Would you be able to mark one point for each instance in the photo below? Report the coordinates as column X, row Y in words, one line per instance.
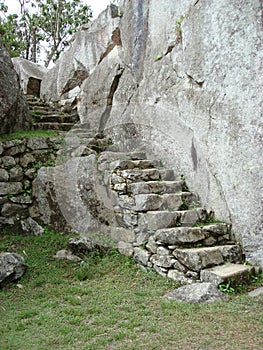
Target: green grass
column 27, row 134
column 110, row 303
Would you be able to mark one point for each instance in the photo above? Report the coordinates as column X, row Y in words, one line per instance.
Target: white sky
column 96, row 5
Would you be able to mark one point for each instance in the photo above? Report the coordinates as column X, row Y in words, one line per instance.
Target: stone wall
column 19, row 162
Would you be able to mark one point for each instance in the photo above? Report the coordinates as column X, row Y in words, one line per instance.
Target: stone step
column 234, row 273
column 197, row 259
column 42, row 109
column 122, row 164
column 189, row 235
column 151, row 201
column 157, row 187
column 167, row 174
column 113, row 154
column 53, row 126
column 55, row 118
column 35, row 104
column 155, row 220
column 179, row 201
column 138, row 175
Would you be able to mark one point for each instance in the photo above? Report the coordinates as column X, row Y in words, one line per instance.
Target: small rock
column 30, row 226
column 16, row 174
column 21, row 199
column 179, row 277
column 197, row 293
column 27, row 159
column 12, row 267
column 256, row 292
column 10, row 188
column 10, row 209
column 8, row 161
column 4, row 176
column 30, row 173
column 35, row 143
column 141, row 256
column 16, row 150
column 151, row 245
column 82, row 245
column 66, row 254
column 125, row 248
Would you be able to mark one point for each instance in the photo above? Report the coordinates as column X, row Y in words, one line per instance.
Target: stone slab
column 178, row 235
column 226, row 273
column 10, row 188
column 197, row 259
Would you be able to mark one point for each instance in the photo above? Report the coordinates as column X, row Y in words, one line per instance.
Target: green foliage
column 257, row 280
column 43, row 23
column 28, row 134
column 226, row 288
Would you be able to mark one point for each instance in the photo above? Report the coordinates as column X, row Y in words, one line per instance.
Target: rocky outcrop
column 30, row 75
column 91, row 44
column 183, row 82
column 13, row 106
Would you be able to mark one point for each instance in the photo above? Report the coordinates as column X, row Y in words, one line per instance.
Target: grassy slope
column 27, row 134
column 117, row 306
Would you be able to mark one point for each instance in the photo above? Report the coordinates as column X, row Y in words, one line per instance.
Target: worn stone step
column 139, row 175
column 53, row 126
column 42, row 109
column 35, row 104
column 186, row 235
column 109, row 156
column 179, row 235
column 157, row 187
column 179, row 201
column 234, row 273
column 155, row 220
column 170, row 201
column 146, row 202
column 167, row 174
column 122, row 164
column 55, row 118
column 197, row 259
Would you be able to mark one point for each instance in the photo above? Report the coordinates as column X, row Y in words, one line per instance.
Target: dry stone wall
column 20, row 160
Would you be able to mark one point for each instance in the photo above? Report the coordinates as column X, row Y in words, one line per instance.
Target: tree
column 45, row 25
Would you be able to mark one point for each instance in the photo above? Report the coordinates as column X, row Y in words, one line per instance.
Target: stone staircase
column 173, row 234
column 160, row 222
column 47, row 116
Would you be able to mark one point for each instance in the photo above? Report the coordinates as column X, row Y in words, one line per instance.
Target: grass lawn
column 110, row 303
column 28, row 134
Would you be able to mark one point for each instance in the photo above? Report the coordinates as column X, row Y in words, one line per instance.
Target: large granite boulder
column 184, row 82
column 13, row 105
column 30, row 75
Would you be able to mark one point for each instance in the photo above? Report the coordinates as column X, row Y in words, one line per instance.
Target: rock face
column 89, row 48
column 30, row 75
column 13, row 106
column 12, row 267
column 181, row 79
